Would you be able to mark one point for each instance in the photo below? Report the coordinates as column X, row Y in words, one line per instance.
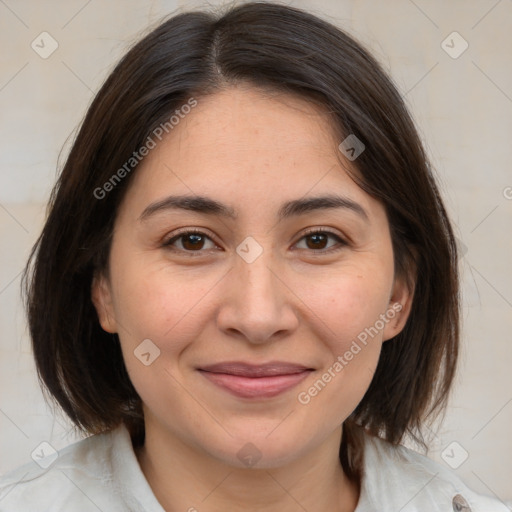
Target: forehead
column 243, row 142
column 252, row 107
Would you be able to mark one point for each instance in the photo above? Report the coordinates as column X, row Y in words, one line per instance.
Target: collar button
column 459, row 504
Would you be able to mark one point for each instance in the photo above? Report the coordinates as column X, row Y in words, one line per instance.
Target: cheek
column 348, row 305
column 349, row 320
column 167, row 308
column 152, row 299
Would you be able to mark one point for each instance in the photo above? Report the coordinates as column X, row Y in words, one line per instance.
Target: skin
column 251, row 150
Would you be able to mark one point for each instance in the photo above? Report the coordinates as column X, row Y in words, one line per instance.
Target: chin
column 259, row 451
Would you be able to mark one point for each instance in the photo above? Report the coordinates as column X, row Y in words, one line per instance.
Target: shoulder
column 398, row 478
column 79, row 477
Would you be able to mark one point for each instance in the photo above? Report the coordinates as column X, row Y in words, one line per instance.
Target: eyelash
column 312, row 231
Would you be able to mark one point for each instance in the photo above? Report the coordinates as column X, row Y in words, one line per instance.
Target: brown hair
column 196, row 53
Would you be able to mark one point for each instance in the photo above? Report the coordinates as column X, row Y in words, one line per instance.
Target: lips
column 255, row 381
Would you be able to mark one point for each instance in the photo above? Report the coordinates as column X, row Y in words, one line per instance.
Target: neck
column 183, row 477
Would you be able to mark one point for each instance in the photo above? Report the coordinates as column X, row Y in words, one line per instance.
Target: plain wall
column 463, row 108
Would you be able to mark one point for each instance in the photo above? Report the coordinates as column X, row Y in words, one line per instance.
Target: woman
column 236, row 291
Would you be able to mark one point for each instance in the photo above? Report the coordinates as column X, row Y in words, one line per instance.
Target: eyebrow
column 206, row 205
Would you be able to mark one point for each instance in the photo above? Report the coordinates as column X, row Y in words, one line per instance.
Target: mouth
column 245, row 380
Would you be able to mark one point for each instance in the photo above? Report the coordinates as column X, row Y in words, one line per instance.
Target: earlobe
column 102, row 299
column 399, row 308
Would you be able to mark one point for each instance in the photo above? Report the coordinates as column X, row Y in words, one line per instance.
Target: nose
column 257, row 303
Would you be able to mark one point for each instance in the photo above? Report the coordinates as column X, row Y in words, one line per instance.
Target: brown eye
column 193, row 241
column 189, row 241
column 318, row 241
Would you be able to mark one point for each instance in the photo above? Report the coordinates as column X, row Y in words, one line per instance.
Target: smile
column 249, row 381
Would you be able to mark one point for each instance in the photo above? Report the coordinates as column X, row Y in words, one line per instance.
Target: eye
column 317, row 240
column 189, row 241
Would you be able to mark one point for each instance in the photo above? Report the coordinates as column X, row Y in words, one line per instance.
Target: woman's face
column 256, row 286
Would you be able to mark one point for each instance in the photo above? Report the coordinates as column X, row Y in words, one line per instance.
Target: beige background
column 463, row 107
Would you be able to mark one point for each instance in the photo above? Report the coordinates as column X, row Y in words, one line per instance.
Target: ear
column 101, row 296
column 399, row 308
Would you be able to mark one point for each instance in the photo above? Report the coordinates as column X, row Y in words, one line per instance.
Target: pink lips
column 255, row 381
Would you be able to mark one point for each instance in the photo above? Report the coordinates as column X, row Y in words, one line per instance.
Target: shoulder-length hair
column 194, row 54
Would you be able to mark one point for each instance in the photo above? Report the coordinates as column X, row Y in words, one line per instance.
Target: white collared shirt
column 102, row 473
